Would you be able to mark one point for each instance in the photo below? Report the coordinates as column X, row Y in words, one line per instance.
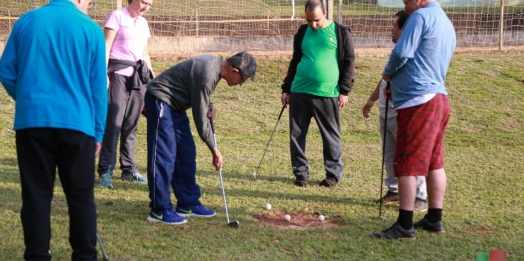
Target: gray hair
column 245, row 63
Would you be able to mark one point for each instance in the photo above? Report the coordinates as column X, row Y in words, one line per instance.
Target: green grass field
column 483, row 208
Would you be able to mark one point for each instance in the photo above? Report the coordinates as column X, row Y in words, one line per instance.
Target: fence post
column 196, row 22
column 330, row 9
column 340, row 12
column 501, row 29
column 268, row 26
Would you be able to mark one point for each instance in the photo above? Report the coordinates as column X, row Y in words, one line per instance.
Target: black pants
column 325, row 111
column 41, row 151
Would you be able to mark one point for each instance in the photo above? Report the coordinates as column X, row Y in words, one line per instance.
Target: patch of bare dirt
column 484, row 230
column 299, row 221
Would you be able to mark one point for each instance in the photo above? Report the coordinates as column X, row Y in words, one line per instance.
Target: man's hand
column 285, row 99
column 98, row 148
column 217, row 159
column 387, row 92
column 385, row 77
column 342, row 100
column 367, row 108
column 212, row 112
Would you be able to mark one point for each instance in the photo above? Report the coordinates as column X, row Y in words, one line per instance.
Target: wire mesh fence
column 269, row 25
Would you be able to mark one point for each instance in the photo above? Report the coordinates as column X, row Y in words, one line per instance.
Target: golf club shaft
column 270, row 138
column 220, row 171
column 383, row 150
column 102, row 247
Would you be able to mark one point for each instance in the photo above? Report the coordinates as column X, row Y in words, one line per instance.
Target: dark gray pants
column 303, row 107
column 123, row 114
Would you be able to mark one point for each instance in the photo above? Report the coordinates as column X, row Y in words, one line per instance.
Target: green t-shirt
column 317, row 71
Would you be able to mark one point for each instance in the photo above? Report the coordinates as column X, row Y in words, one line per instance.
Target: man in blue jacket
column 56, row 73
column 319, row 79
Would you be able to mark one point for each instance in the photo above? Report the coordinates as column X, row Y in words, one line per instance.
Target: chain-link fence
column 190, row 26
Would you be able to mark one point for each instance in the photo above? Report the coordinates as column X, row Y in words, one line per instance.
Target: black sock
column 434, row 215
column 405, row 219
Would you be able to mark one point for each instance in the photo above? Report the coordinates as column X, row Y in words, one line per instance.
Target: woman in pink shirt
column 129, row 69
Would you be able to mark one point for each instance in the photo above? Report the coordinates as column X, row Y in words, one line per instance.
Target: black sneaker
column 437, row 227
column 389, row 198
column 328, row 182
column 301, row 181
column 395, row 232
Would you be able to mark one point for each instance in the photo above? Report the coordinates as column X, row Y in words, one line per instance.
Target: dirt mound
column 299, row 221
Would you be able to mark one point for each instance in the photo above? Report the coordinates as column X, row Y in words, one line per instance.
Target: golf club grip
column 212, row 126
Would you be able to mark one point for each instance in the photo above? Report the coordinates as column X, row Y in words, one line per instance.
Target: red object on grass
column 497, row 255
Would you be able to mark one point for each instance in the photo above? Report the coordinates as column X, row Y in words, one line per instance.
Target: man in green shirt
column 317, row 84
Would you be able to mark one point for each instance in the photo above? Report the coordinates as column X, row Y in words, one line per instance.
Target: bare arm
column 110, row 35
column 371, row 100
column 147, row 59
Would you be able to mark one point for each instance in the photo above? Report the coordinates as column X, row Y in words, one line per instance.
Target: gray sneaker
column 421, row 205
column 389, row 198
column 134, row 177
column 105, row 181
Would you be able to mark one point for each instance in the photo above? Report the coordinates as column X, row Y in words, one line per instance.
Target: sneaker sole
column 195, row 215
column 108, row 187
column 135, row 181
column 154, row 220
column 432, row 231
column 387, row 203
column 402, row 238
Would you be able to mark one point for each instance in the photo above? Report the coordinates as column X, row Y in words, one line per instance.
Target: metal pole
column 501, row 29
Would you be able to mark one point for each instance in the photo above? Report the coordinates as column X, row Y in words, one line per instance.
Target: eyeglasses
column 91, row 5
column 241, row 75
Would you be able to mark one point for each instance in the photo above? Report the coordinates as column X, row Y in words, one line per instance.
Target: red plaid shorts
column 420, row 137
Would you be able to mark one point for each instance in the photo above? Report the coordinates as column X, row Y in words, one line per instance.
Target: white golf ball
column 287, row 217
column 321, row 217
column 268, row 206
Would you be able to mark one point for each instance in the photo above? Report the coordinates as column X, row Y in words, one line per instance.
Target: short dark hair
column 402, row 18
column 129, row 1
column 312, row 4
column 245, row 62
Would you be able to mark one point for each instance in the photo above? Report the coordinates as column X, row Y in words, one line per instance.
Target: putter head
column 255, row 175
column 234, row 224
column 383, row 217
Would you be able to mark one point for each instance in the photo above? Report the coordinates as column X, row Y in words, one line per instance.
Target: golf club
column 271, row 137
column 235, row 223
column 383, row 152
column 106, row 258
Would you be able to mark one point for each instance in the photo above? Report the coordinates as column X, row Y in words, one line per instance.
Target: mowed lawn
column 484, row 162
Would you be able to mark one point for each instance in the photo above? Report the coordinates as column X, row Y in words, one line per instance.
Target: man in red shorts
column 417, row 70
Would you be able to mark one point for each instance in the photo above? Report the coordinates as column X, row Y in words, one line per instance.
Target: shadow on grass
column 12, row 162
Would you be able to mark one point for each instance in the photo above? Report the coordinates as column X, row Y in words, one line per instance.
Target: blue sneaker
column 134, row 177
column 105, row 181
column 167, row 216
column 197, row 211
